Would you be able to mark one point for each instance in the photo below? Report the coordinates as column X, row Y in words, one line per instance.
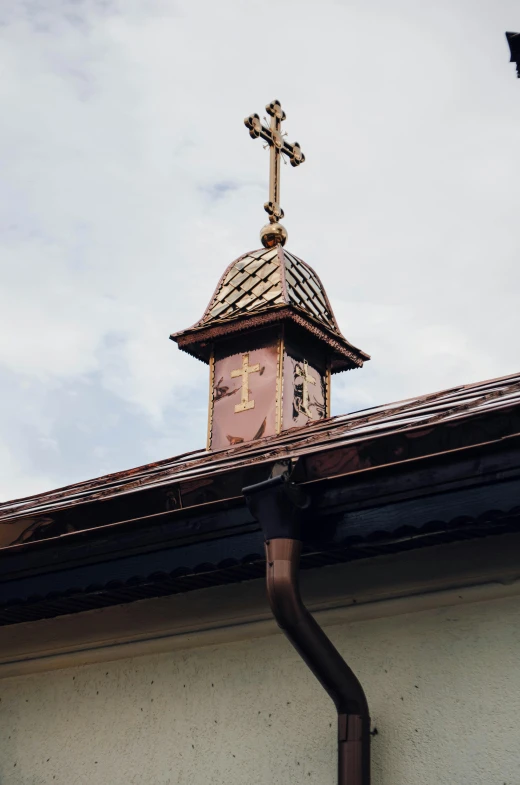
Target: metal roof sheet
column 428, row 410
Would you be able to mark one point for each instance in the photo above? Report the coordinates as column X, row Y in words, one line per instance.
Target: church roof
column 261, row 287
column 435, row 469
column 424, row 415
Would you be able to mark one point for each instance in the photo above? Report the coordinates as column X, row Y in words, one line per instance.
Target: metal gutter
column 178, row 570
column 183, row 515
column 467, row 493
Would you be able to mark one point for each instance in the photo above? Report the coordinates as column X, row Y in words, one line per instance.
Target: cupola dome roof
column 263, row 287
column 269, row 278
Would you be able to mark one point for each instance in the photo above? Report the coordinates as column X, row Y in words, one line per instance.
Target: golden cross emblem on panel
column 306, row 380
column 244, row 372
column 278, row 147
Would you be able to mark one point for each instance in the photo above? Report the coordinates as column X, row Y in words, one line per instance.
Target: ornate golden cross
column 278, row 147
column 306, row 380
column 244, row 372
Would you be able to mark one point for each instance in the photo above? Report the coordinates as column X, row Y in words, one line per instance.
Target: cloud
column 129, row 183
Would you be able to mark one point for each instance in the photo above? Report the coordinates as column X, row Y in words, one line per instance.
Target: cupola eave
column 262, row 288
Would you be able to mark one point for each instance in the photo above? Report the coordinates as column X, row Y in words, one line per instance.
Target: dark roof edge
column 207, row 508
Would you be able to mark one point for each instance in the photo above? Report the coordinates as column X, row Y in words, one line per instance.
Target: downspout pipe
column 277, row 504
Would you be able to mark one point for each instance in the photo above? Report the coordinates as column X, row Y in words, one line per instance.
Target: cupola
column 269, row 333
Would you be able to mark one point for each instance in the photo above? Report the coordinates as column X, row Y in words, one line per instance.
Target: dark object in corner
column 277, row 504
column 513, row 39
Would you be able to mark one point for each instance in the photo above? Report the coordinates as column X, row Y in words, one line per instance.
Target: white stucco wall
column 443, row 687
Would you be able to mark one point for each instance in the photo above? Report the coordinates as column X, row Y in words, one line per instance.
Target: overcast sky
column 128, row 182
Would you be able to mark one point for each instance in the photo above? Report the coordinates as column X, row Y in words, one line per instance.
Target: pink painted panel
column 294, row 399
column 231, row 427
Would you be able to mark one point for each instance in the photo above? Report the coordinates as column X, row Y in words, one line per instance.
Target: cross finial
column 274, row 233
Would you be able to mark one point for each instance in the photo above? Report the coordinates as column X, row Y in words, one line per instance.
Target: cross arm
column 293, row 152
column 274, row 139
column 256, row 129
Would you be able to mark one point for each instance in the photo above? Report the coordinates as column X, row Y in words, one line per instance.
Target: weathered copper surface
column 245, row 401
column 284, row 391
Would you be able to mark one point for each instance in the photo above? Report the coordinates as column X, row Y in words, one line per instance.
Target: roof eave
column 198, row 340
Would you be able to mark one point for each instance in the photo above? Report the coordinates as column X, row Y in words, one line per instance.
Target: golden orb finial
column 273, row 234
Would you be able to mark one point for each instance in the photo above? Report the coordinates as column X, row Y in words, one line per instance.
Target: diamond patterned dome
column 265, row 287
column 267, row 278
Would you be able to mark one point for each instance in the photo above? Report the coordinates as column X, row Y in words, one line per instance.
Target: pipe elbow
column 283, row 594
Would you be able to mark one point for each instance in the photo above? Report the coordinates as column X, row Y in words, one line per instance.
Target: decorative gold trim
column 279, row 383
column 243, row 373
column 327, row 386
column 194, row 340
column 211, row 398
